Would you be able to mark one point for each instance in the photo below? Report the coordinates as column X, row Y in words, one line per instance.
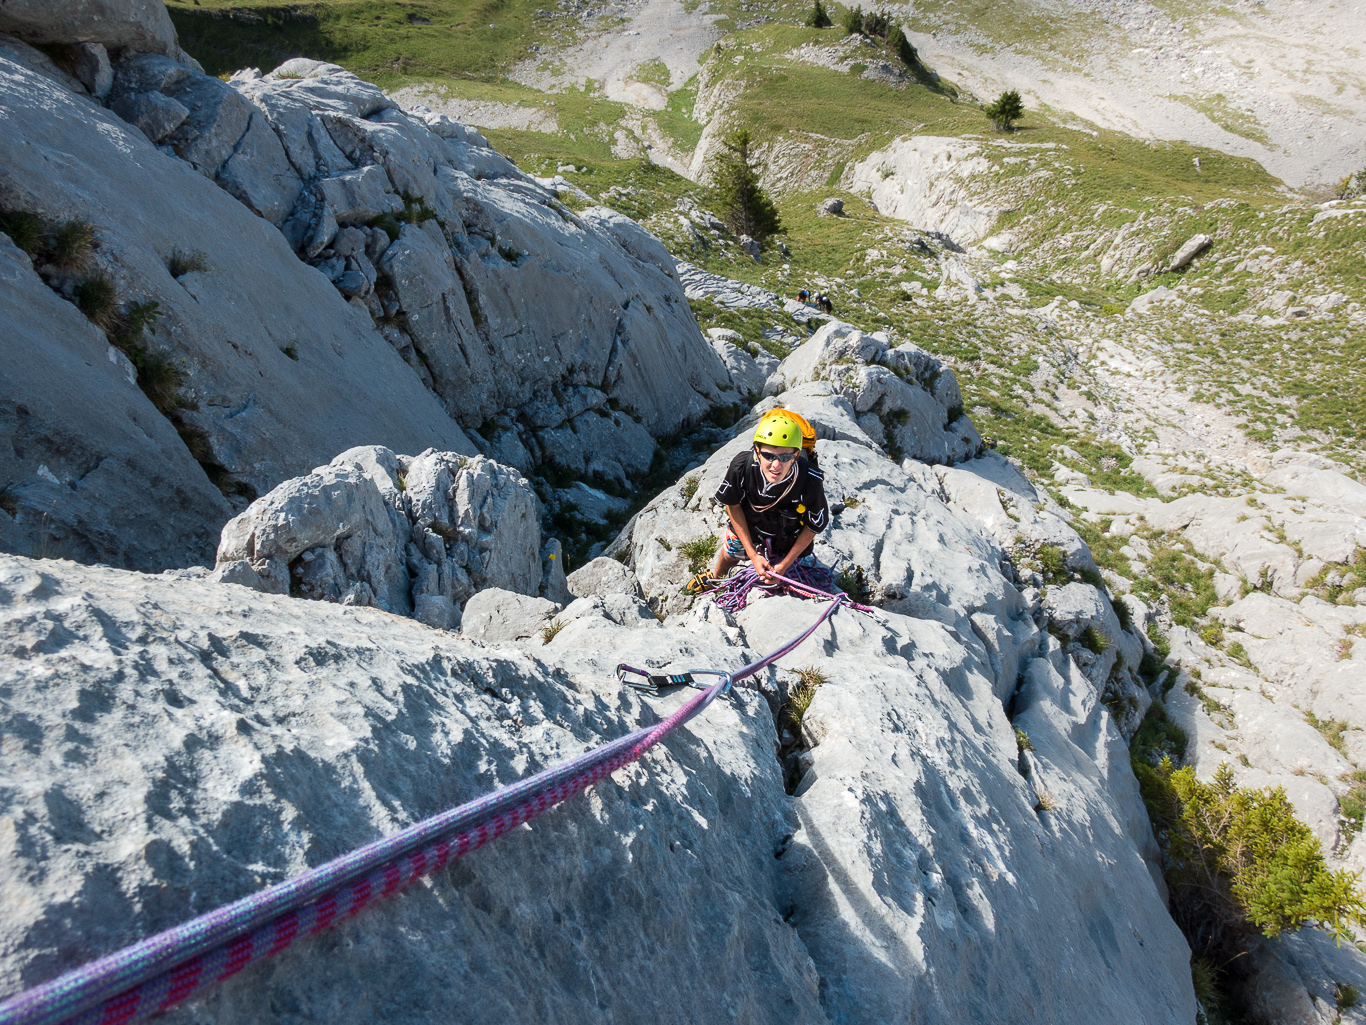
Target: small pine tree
column 742, row 201
column 853, row 21
column 818, row 18
column 1007, row 109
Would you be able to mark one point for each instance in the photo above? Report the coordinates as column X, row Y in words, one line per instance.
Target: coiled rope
column 156, row 973
column 805, row 579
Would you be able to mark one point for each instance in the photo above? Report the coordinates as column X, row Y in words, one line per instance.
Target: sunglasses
column 775, row 457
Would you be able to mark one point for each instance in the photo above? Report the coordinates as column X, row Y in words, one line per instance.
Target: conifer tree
column 818, row 18
column 741, row 200
column 1007, row 109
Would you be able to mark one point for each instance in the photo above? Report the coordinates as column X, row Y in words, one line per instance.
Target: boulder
column 116, row 24
column 1191, row 248
column 495, row 616
column 335, row 523
column 373, row 527
column 603, row 576
column 902, row 397
column 832, row 207
column 90, row 63
column 360, row 195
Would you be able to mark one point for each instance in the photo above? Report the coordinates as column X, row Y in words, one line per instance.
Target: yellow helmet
column 780, row 429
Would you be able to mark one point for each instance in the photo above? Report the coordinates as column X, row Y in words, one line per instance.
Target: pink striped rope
column 154, row 974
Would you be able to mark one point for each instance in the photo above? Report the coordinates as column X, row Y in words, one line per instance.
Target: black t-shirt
column 770, row 518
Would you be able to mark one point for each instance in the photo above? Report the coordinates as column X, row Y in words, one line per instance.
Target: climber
column 775, row 498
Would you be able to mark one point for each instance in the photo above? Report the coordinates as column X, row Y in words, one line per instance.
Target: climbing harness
column 156, row 973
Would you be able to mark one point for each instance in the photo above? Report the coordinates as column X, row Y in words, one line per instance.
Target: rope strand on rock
column 156, row 973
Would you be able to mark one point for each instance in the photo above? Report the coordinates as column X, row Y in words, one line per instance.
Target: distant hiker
column 826, row 305
column 803, row 296
column 775, row 498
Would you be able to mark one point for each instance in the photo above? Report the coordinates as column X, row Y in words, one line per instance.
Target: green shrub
column 854, row 583
column 1345, row 995
column 1093, row 640
column 1158, row 737
column 1237, row 862
column 1126, row 619
column 1022, row 741
column 1052, row 564
column 689, row 487
column 853, row 21
column 141, row 317
column 699, row 552
column 793, row 710
column 551, row 630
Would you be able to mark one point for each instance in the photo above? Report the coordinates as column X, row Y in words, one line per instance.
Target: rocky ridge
column 441, row 302
column 904, row 877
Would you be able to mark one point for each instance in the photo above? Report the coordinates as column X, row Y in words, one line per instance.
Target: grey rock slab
column 259, row 174
column 496, row 615
column 921, row 857
column 1296, row 644
column 135, row 24
column 95, row 472
column 590, row 503
column 245, row 738
column 746, row 375
column 624, row 609
column 628, row 234
column 322, row 86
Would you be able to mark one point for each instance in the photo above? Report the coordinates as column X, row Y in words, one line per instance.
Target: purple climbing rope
column 154, row 974
column 805, row 579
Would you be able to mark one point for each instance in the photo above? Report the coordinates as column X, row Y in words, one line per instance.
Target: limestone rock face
column 468, row 263
column 921, row 853
column 251, row 736
column 413, row 535
column 279, row 372
column 94, row 472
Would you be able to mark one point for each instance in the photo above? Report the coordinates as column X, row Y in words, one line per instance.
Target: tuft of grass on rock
column 186, row 261
column 98, row 299
column 699, row 552
column 72, row 244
